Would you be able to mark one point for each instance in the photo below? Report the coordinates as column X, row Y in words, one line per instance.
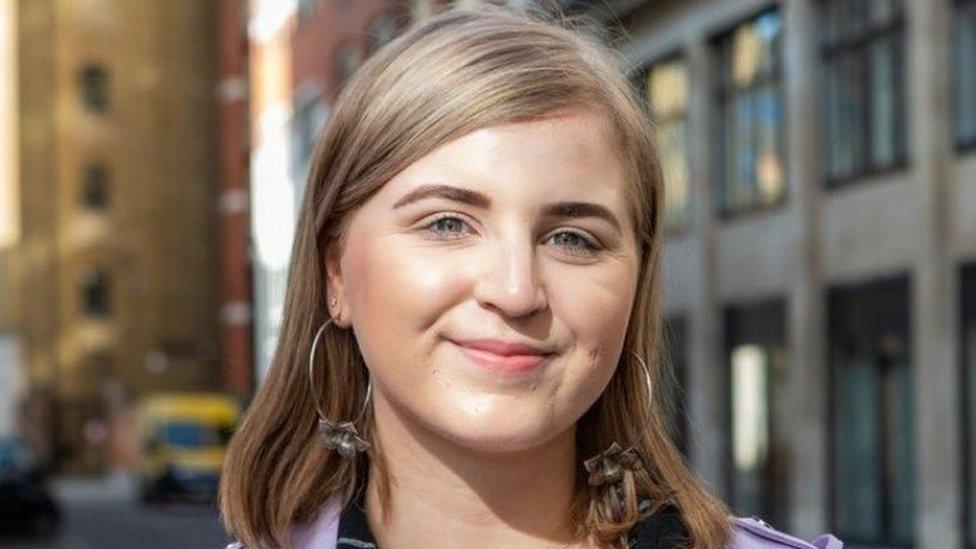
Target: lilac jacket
column 748, row 533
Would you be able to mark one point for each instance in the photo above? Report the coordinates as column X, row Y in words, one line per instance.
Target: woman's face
column 516, row 233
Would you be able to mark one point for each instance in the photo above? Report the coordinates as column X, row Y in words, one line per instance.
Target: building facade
column 820, row 256
column 11, row 368
column 233, row 202
column 117, row 255
column 301, row 54
column 819, row 261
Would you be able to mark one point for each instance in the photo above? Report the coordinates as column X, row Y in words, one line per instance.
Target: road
column 104, row 514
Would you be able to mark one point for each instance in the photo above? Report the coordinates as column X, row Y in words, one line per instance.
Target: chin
column 497, row 429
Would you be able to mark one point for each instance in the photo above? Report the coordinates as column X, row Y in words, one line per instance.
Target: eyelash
column 588, row 245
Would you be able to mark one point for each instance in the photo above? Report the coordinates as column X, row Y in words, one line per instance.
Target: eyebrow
column 476, row 199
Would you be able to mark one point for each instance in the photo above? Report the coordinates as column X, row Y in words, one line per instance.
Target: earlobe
column 334, row 287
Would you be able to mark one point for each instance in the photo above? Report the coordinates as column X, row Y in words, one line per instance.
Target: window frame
column 769, row 305
column 719, row 96
column 104, row 286
column 338, row 76
column 859, row 46
column 967, row 317
column 94, row 83
column 642, row 77
column 962, row 145
column 833, row 293
column 306, row 10
column 92, row 171
column 398, row 15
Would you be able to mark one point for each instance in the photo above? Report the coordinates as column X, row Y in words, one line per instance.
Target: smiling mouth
column 509, row 365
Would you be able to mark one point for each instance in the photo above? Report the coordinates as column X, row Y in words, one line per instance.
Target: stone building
column 11, row 371
column 236, row 347
column 117, row 257
column 820, row 263
column 301, row 53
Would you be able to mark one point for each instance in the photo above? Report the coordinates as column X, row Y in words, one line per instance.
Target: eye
column 444, row 225
column 578, row 242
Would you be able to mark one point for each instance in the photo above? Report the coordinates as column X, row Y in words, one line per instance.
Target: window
column 758, row 371
column 676, row 390
column 667, row 92
column 384, row 29
column 969, row 398
column 95, row 191
column 95, row 293
column 863, row 59
column 964, row 57
column 347, row 60
column 871, row 410
column 94, row 89
column 309, row 119
column 750, row 168
column 306, row 9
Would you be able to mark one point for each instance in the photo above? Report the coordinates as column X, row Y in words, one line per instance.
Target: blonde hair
column 463, row 69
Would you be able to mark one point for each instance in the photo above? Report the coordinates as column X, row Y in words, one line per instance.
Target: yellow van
column 183, row 441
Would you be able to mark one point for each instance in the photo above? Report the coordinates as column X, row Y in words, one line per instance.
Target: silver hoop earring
column 609, row 466
column 341, row 437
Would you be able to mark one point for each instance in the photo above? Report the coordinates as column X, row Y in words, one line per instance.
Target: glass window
column 667, row 92
column 863, row 56
column 751, row 170
column 309, row 119
column 94, row 88
column 872, row 415
column 95, row 293
column 306, row 9
column 347, row 60
column 757, row 378
column 676, row 390
column 95, row 192
column 969, row 376
column 964, row 57
column 385, row 28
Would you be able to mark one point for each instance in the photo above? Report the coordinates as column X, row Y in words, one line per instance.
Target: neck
column 441, row 490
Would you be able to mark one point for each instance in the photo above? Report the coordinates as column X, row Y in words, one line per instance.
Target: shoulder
column 753, row 533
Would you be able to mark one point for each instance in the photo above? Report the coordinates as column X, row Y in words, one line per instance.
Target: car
column 26, row 505
column 184, row 440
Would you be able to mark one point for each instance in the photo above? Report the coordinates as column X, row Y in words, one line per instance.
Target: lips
column 502, row 357
column 503, row 348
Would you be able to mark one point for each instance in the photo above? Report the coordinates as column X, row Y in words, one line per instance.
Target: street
column 104, row 514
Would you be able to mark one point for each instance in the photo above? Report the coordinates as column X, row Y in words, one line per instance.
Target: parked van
column 184, row 438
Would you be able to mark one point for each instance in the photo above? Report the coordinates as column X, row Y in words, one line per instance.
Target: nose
column 509, row 281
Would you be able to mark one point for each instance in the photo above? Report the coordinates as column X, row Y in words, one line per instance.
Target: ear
column 335, row 289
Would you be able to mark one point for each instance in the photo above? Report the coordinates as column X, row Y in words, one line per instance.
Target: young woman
column 470, row 352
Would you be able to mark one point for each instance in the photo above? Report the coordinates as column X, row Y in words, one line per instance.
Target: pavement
column 105, row 513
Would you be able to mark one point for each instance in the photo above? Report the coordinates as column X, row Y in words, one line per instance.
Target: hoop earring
column 342, row 437
column 608, row 468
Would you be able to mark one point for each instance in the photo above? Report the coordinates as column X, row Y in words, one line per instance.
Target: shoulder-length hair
column 464, row 69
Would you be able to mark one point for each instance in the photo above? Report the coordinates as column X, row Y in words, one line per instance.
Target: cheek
column 596, row 307
column 389, row 281
column 395, row 297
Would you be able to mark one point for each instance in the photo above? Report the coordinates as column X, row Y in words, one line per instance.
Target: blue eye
column 440, row 222
column 452, row 226
column 576, row 242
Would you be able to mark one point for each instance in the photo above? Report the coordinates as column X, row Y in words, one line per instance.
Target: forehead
column 569, row 156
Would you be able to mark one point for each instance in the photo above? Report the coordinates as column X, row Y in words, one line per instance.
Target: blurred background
column 820, row 256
